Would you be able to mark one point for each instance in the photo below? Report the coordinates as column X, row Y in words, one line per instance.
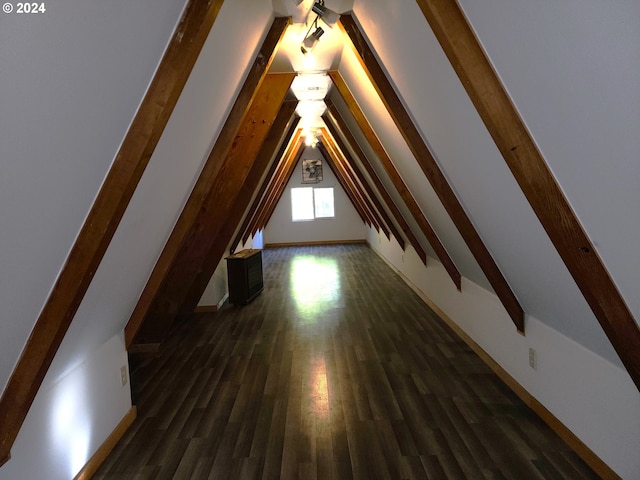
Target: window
column 302, row 204
column 308, row 203
column 323, row 202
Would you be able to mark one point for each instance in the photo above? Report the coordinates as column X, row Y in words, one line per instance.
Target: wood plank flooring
column 336, row 371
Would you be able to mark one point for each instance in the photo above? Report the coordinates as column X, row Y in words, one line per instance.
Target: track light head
column 327, row 15
column 311, row 41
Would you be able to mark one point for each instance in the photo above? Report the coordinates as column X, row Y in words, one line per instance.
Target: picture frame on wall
column 311, row 171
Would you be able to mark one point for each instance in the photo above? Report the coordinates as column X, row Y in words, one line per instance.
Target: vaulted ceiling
column 401, row 178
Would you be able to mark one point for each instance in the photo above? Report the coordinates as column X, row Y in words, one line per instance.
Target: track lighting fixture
column 327, row 15
column 311, row 40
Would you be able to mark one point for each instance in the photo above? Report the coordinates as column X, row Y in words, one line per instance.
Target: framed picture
column 311, row 171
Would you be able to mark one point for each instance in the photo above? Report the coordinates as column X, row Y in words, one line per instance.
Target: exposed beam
column 329, row 157
column 354, row 172
column 334, row 159
column 265, row 182
column 336, row 124
column 339, row 162
column 219, row 243
column 279, row 187
column 294, row 148
column 432, row 171
column 394, row 176
column 213, row 212
column 103, row 219
column 212, row 167
column 285, row 166
column 535, row 178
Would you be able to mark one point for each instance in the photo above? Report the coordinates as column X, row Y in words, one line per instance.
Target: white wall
column 572, row 72
column 218, row 287
column 346, row 225
column 71, row 418
column 72, row 79
column 257, row 241
column 77, row 74
column 477, row 172
column 594, row 398
column 167, row 182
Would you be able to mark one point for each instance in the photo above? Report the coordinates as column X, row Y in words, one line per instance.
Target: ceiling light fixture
column 311, row 85
column 327, row 15
column 311, row 39
column 310, row 137
column 311, row 109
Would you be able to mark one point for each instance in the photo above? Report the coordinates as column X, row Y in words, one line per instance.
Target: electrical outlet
column 123, row 375
column 532, row 358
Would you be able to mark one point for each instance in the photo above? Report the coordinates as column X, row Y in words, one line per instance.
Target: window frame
column 313, row 207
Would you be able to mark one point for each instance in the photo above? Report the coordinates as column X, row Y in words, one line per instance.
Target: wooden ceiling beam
column 287, row 139
column 334, row 163
column 221, row 241
column 341, row 163
column 336, row 123
column 329, row 158
column 432, row 171
column 279, row 187
column 351, row 164
column 269, row 188
column 224, row 143
column 393, row 174
column 104, row 217
column 357, row 173
column 192, row 257
column 536, row 180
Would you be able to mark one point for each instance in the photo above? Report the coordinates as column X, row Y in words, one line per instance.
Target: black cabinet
column 244, row 272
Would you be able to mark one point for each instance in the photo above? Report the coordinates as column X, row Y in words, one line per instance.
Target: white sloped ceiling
column 467, row 155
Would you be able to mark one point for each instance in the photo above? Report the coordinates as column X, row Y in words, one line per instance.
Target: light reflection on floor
column 315, row 286
column 318, row 391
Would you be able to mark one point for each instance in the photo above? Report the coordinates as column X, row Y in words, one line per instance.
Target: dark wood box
column 244, row 273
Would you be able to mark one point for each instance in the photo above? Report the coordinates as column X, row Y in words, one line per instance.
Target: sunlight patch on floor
column 315, row 285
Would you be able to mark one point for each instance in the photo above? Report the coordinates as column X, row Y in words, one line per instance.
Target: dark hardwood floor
column 336, row 371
